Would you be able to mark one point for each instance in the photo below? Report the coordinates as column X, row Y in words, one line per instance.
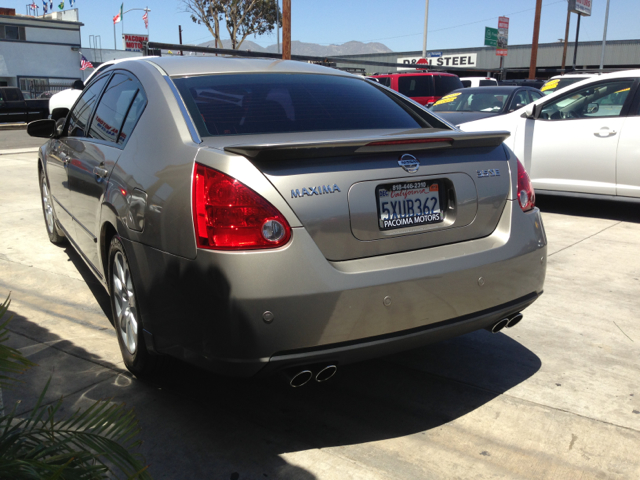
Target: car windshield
column 257, row 103
column 471, row 102
column 558, row 83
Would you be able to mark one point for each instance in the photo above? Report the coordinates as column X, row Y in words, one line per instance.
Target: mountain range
column 311, row 49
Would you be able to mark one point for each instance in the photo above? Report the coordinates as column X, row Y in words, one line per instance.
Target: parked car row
column 252, row 216
column 581, row 140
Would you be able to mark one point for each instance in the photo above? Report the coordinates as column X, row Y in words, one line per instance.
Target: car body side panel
column 160, row 166
column 628, row 159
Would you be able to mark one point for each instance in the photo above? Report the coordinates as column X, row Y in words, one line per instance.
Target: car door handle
column 604, row 132
column 100, row 172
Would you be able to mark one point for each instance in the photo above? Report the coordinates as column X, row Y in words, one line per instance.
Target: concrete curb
column 13, row 126
column 15, row 151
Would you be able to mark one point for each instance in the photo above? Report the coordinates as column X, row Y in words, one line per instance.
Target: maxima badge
column 409, row 163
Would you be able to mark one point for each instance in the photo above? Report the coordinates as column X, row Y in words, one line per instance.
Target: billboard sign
column 503, row 36
column 581, row 7
column 491, row 37
column 133, row 42
column 452, row 60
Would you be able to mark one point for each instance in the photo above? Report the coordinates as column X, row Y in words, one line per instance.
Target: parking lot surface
column 557, row 396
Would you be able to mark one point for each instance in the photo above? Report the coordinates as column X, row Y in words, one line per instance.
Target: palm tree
column 92, row 444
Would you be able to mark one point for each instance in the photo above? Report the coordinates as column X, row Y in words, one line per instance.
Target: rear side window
column 237, row 104
column 446, row 84
column 113, row 107
column 79, row 116
column 386, row 81
column 488, row 83
column 466, row 83
column 416, row 86
column 12, row 95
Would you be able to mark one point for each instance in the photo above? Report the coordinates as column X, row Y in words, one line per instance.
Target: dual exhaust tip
column 302, row 377
column 506, row 322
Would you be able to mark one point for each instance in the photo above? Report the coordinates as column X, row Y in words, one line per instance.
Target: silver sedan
column 254, row 216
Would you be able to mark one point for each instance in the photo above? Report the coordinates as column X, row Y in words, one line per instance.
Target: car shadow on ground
column 200, row 425
column 586, row 207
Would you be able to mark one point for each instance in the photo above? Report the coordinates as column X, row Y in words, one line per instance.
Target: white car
column 478, row 82
column 579, row 141
column 61, row 102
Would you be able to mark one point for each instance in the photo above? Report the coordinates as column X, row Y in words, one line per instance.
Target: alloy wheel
column 124, row 302
column 46, row 204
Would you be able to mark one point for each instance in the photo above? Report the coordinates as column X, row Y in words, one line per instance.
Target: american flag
column 84, row 63
column 145, row 17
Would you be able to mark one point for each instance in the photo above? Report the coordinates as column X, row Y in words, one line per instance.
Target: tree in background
column 241, row 17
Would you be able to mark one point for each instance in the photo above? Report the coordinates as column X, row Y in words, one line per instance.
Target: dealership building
column 619, row 54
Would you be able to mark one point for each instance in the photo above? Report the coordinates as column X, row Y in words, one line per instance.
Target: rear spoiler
column 370, row 144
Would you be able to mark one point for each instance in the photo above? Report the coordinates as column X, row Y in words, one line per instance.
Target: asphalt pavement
column 18, row 138
column 556, row 397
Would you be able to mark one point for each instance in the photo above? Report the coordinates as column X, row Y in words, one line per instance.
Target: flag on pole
column 71, row 2
column 145, row 17
column 61, row 5
column 84, row 63
column 51, row 5
column 45, row 6
column 118, row 17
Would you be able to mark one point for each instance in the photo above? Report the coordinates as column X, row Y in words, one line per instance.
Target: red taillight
column 526, row 195
column 228, row 215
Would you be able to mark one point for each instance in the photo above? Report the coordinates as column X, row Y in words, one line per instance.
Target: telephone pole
column 534, row 43
column 286, row 29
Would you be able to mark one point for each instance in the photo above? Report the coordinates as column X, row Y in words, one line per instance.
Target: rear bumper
column 210, row 311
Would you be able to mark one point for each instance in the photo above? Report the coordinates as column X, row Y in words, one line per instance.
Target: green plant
column 91, row 444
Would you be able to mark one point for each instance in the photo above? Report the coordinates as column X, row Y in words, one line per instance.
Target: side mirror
column 593, row 108
column 532, row 111
column 78, row 85
column 45, row 128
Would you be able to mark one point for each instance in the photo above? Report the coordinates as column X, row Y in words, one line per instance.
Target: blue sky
column 399, row 25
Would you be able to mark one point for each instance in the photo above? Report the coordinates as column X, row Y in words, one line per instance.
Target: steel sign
column 452, row 60
column 581, row 7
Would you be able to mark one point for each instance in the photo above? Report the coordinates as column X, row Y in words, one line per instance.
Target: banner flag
column 84, row 63
column 118, row 17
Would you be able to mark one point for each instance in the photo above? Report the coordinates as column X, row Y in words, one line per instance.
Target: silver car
column 253, row 216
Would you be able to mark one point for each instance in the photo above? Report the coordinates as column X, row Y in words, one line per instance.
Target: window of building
column 12, row 32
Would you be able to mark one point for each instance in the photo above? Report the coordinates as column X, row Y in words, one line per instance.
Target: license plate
column 408, row 204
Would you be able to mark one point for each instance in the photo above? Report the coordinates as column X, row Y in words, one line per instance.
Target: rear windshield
column 446, row 84
column 237, row 104
column 488, row 83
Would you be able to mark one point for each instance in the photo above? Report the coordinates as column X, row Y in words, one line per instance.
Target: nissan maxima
column 252, row 216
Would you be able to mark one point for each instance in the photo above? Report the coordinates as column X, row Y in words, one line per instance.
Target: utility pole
column 180, row 36
column 534, row 43
column 604, row 37
column 575, row 48
column 286, row 29
column 278, row 24
column 426, row 21
column 566, row 40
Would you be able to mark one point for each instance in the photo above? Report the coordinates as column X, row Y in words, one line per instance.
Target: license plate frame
column 409, row 197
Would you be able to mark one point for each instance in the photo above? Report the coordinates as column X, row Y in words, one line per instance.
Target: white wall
column 35, row 34
column 36, row 60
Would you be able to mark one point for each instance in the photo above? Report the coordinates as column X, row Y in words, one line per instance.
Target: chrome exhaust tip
column 326, row 373
column 301, row 378
column 513, row 321
column 499, row 325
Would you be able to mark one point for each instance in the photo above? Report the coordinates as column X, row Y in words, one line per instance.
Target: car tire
column 55, row 236
column 126, row 314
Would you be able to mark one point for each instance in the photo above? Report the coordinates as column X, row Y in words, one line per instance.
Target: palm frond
column 92, row 444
